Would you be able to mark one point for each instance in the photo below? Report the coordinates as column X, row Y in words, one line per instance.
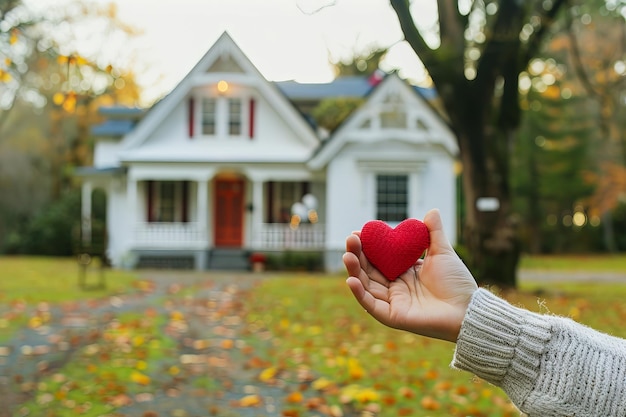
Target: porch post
column 85, row 229
column 131, row 197
column 257, row 211
column 202, row 202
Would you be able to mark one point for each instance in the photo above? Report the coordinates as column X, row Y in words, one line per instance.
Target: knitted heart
column 394, row 250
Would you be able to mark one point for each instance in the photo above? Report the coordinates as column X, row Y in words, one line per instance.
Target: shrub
column 295, row 261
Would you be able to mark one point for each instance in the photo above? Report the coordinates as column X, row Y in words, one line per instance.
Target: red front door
column 229, row 212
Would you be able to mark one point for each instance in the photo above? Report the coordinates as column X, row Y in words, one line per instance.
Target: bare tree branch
column 413, row 36
column 328, row 3
column 451, row 25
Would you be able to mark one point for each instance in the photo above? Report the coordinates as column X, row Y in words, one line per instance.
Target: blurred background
column 552, row 143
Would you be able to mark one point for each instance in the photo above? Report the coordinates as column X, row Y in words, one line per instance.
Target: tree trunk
column 490, row 233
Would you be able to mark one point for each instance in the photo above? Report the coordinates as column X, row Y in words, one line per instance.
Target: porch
column 186, row 245
column 183, row 218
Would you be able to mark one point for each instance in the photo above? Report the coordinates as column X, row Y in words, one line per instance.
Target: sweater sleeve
column 547, row 365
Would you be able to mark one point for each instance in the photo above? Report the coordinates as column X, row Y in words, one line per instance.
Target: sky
column 284, row 39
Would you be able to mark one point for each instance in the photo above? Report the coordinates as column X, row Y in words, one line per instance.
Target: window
column 234, row 116
column 167, row 202
column 391, row 197
column 280, row 197
column 223, row 116
column 208, row 116
column 393, row 119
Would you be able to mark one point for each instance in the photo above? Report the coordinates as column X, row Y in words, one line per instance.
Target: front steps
column 235, row 259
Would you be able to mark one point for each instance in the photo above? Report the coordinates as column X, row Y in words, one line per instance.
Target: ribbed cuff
column 502, row 344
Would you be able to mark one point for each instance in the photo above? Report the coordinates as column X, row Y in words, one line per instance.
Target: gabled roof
column 436, row 131
column 221, row 58
column 350, row 86
column 347, row 86
column 113, row 127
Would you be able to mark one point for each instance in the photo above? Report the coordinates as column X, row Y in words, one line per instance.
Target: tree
column 598, row 59
column 32, row 38
column 550, row 156
column 571, row 140
column 483, row 46
column 360, row 63
column 331, row 112
column 49, row 94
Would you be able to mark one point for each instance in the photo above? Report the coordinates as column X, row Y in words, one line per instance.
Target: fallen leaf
column 268, row 374
column 139, row 378
column 429, row 403
column 294, row 397
column 250, row 401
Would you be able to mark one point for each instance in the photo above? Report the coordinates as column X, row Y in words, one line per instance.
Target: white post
column 86, row 213
column 131, row 197
column 257, row 211
column 202, row 202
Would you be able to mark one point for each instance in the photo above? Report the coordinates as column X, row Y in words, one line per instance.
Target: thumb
column 439, row 243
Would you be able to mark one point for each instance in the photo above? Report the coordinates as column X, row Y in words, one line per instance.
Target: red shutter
column 191, row 114
column 251, row 118
column 185, row 205
column 270, row 202
column 150, row 202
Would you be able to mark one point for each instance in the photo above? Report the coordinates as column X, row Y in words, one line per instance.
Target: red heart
column 394, row 250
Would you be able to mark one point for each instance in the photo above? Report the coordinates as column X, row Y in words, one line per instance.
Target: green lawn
column 306, row 333
column 35, row 279
column 597, row 263
column 317, row 325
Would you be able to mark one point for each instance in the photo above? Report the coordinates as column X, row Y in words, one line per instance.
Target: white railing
column 270, row 236
column 170, row 235
column 282, row 236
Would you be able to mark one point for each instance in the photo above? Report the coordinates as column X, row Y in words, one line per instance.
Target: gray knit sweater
column 547, row 365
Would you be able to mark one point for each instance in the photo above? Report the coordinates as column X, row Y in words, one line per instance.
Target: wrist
column 459, row 313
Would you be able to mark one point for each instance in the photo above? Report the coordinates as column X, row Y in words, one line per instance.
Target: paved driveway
column 215, row 372
column 576, row 276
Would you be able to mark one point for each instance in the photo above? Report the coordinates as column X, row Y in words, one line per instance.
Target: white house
column 228, row 164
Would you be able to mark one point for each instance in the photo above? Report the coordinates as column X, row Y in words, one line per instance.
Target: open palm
column 429, row 299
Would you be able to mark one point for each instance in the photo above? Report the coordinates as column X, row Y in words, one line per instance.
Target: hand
column 429, row 299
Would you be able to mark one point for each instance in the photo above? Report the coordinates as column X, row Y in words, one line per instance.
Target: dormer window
column 208, row 116
column 393, row 118
column 223, row 117
column 393, row 113
column 234, row 116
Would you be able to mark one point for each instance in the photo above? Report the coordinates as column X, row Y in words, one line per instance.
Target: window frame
column 209, row 118
column 395, row 207
column 280, row 197
column 224, row 117
column 235, row 118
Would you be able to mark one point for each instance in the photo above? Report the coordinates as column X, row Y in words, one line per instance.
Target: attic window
column 367, row 123
column 421, row 125
column 225, row 63
column 208, row 116
column 234, row 116
column 393, row 119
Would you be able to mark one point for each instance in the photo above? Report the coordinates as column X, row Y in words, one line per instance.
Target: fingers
column 379, row 309
column 376, row 285
column 353, row 245
column 352, row 264
column 438, row 240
